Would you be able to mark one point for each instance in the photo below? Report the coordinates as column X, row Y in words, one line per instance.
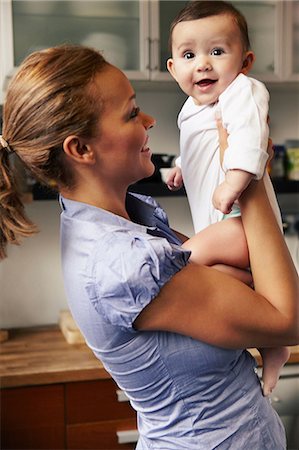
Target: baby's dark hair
column 200, row 9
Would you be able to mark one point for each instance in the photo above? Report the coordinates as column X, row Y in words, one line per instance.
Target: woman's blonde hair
column 49, row 98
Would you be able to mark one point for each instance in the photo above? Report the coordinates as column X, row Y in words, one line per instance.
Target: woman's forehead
column 113, row 85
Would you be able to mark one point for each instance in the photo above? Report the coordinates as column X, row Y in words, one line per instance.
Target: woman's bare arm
column 213, row 307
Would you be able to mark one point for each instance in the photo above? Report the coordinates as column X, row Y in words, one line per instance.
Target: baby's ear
column 170, row 68
column 248, row 62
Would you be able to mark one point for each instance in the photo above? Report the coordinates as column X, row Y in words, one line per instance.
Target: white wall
column 31, row 290
column 30, row 278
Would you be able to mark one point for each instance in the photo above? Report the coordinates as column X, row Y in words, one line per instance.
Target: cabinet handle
column 154, row 60
column 147, row 52
column 125, row 437
column 121, row 396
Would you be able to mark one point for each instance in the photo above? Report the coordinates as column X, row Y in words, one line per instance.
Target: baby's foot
column 273, row 360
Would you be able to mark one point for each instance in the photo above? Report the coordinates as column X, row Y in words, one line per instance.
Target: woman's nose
column 148, row 121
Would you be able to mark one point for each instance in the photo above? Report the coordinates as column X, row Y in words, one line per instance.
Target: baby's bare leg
column 221, row 243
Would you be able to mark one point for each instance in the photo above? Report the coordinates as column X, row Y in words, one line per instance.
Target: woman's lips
column 145, row 148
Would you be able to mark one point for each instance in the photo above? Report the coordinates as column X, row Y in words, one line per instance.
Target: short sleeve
column 128, row 272
column 244, row 109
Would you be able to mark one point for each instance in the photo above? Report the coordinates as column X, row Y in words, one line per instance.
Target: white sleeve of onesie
column 244, row 109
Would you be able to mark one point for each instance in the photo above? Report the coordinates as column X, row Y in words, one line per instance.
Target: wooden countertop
column 33, row 356
column 41, row 355
column 294, row 356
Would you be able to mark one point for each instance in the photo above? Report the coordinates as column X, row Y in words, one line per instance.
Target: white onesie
column 244, row 110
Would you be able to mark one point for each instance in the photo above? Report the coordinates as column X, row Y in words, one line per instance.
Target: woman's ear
column 248, row 62
column 77, row 150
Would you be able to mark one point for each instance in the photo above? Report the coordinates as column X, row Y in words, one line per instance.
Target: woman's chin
column 146, row 174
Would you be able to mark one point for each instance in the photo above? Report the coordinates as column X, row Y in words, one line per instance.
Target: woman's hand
column 223, row 135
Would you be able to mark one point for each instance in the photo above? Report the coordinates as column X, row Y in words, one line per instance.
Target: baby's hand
column 174, row 179
column 224, row 197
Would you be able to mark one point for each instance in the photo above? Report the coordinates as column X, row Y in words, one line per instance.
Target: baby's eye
column 217, row 51
column 188, row 55
column 135, row 112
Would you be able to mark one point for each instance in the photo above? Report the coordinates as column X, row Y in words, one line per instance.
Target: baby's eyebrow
column 222, row 40
column 188, row 43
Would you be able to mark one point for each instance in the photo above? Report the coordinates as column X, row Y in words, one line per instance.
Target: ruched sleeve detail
column 123, row 284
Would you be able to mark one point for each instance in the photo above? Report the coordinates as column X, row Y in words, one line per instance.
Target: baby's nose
column 203, row 64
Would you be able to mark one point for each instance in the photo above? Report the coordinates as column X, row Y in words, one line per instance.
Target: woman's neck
column 112, row 199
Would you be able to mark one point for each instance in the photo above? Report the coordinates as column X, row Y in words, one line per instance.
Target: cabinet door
column 92, row 401
column 292, row 39
column 32, row 418
column 104, row 435
column 265, row 23
column 119, row 28
column 99, row 416
column 265, row 26
column 162, row 14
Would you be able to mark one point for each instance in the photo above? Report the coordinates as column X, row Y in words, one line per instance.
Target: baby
column 211, row 57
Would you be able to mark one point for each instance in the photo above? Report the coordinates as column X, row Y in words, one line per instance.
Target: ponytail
column 51, row 96
column 14, row 224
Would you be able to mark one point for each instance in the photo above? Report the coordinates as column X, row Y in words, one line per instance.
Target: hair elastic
column 4, row 144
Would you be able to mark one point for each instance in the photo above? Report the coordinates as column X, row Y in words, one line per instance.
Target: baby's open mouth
column 205, row 82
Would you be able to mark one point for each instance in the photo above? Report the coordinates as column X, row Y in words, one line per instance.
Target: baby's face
column 208, row 54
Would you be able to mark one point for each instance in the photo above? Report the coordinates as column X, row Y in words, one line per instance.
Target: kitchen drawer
column 95, row 401
column 33, row 418
column 104, row 435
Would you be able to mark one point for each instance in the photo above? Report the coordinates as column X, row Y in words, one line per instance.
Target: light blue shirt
column 187, row 394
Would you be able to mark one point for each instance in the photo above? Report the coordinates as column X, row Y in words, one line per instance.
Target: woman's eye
column 188, row 55
column 217, row 51
column 135, row 112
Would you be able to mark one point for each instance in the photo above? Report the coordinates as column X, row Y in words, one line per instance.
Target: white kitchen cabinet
column 265, row 26
column 134, row 34
column 274, row 35
column 161, row 15
column 120, row 28
column 273, row 31
column 292, row 36
column 265, row 22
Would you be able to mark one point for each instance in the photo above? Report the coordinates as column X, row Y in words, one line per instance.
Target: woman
column 170, row 332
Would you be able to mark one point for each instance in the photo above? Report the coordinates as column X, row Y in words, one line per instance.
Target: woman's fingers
column 223, row 135
column 270, row 149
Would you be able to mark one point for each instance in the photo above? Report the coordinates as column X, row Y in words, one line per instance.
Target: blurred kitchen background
column 133, row 35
